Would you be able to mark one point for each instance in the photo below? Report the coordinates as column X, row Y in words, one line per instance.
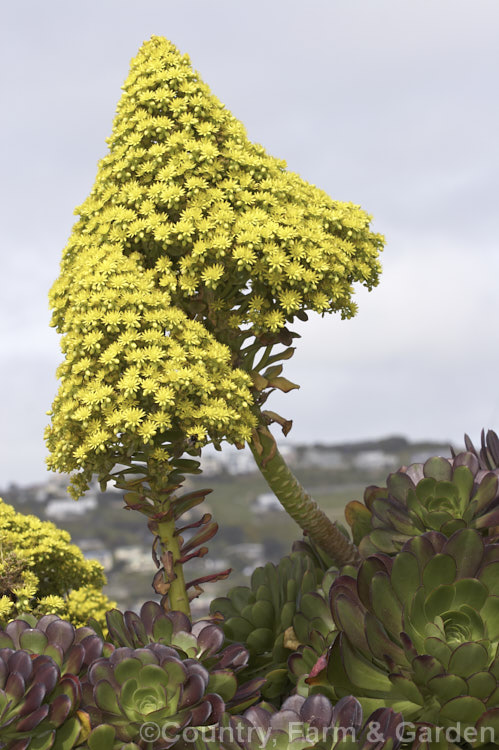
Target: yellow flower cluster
column 137, row 369
column 190, row 237
column 182, row 180
column 43, row 573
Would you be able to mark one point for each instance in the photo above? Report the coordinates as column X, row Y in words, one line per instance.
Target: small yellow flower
column 212, row 275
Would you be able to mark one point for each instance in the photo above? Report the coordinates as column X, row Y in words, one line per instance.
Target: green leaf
column 359, row 519
column 466, row 547
column 471, row 592
column 424, row 668
column 489, row 576
column 398, row 485
column 438, row 519
column 263, row 614
column 128, row 693
column 407, row 689
column 264, row 593
column 106, row 699
column 438, row 601
column 43, row 742
column 117, row 628
column 405, row 576
column 67, row 735
column 385, row 604
column 447, row 686
column 486, row 491
column 5, row 640
column 439, row 650
column 425, row 490
column 102, row 738
column 33, row 640
column 162, row 630
column 127, row 669
column 490, row 616
column 260, row 640
column 463, row 479
column 364, row 576
column 481, row 685
column 238, row 629
column 349, row 617
column 468, row 658
column 369, row 679
column 287, row 615
column 487, row 725
column 440, row 570
column 186, row 642
column 438, row 468
column 223, row 683
column 55, row 653
column 313, row 605
column 386, row 541
column 170, row 675
column 240, row 596
column 380, row 645
column 465, row 709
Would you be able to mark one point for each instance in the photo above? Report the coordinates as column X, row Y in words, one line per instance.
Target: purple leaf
column 317, row 711
column 35, row 717
column 193, row 690
column 61, row 633
column 60, row 709
column 21, row 662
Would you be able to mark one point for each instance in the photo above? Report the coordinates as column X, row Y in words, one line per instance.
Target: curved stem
column 298, row 503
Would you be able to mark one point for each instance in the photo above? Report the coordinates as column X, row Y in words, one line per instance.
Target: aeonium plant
column 443, row 494
column 193, row 255
column 419, row 632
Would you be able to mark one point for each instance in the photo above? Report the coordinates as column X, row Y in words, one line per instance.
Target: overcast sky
column 392, row 105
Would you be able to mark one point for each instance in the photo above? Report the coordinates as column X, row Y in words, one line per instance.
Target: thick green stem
column 298, row 503
column 146, row 495
column 170, row 543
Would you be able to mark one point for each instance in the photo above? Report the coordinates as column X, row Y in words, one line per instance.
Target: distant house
column 372, row 460
column 63, row 508
column 320, row 456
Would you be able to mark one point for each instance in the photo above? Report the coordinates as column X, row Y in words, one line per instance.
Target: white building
column 63, row 508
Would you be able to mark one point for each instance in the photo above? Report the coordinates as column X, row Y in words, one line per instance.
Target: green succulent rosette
column 443, row 494
column 203, row 641
column 420, row 632
column 39, row 709
column 72, row 649
column 151, row 685
column 276, row 614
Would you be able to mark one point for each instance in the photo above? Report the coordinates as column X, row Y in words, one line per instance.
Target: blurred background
column 390, row 105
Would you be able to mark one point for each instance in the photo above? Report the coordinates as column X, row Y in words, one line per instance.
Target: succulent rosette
column 152, row 685
column 312, row 723
column 72, row 649
column 276, row 613
column 420, row 632
column 38, row 707
column 203, row 641
column 443, row 494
